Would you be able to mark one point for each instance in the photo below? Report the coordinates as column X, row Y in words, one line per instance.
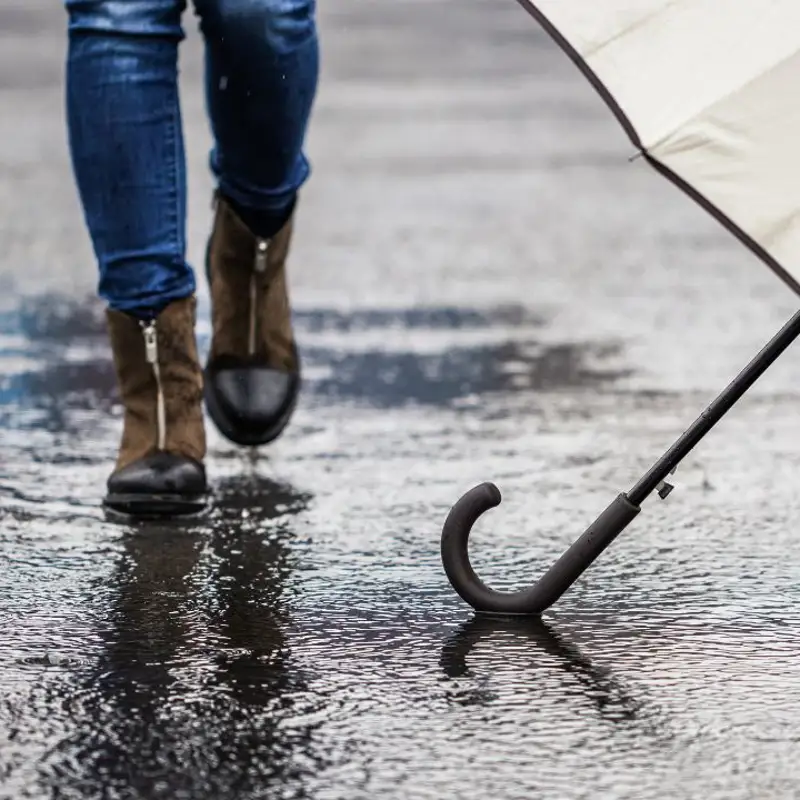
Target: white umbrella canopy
column 709, row 92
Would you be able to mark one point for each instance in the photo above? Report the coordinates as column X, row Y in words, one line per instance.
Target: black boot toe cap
column 159, row 484
column 251, row 405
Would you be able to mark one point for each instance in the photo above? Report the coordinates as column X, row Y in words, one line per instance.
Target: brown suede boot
column 159, row 468
column 252, row 377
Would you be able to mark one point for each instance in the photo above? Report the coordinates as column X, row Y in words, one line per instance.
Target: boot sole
column 237, row 435
column 155, row 506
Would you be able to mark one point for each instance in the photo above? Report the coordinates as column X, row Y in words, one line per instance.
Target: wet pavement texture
column 487, row 286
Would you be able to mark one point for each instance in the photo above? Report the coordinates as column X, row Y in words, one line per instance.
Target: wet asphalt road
column 485, row 288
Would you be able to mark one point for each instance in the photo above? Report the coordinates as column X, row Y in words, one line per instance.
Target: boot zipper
column 260, row 268
column 151, row 353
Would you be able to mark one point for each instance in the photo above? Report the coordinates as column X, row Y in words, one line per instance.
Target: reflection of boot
column 253, row 370
column 159, row 468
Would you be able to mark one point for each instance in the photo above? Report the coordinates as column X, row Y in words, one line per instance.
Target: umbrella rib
column 634, row 26
column 719, row 101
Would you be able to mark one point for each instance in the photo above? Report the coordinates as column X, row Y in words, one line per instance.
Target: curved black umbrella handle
column 556, row 581
column 608, row 525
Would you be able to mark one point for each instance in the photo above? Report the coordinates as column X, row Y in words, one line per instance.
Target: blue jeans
column 126, row 137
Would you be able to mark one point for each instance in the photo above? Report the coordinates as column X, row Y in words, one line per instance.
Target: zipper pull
column 150, row 342
column 261, row 255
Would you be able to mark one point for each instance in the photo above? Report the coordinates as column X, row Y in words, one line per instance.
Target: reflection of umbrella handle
column 603, row 531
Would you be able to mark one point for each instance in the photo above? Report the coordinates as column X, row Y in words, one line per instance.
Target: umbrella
column 705, row 90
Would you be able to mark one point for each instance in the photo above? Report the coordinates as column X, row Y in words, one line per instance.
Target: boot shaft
column 160, row 383
column 251, row 315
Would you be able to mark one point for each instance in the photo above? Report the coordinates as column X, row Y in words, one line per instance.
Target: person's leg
column 127, row 152
column 126, row 144
column 262, row 64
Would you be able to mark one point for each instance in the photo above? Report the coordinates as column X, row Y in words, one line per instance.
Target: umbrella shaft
column 714, row 413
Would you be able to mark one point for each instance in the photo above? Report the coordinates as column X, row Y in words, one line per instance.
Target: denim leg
column 126, row 145
column 262, row 64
